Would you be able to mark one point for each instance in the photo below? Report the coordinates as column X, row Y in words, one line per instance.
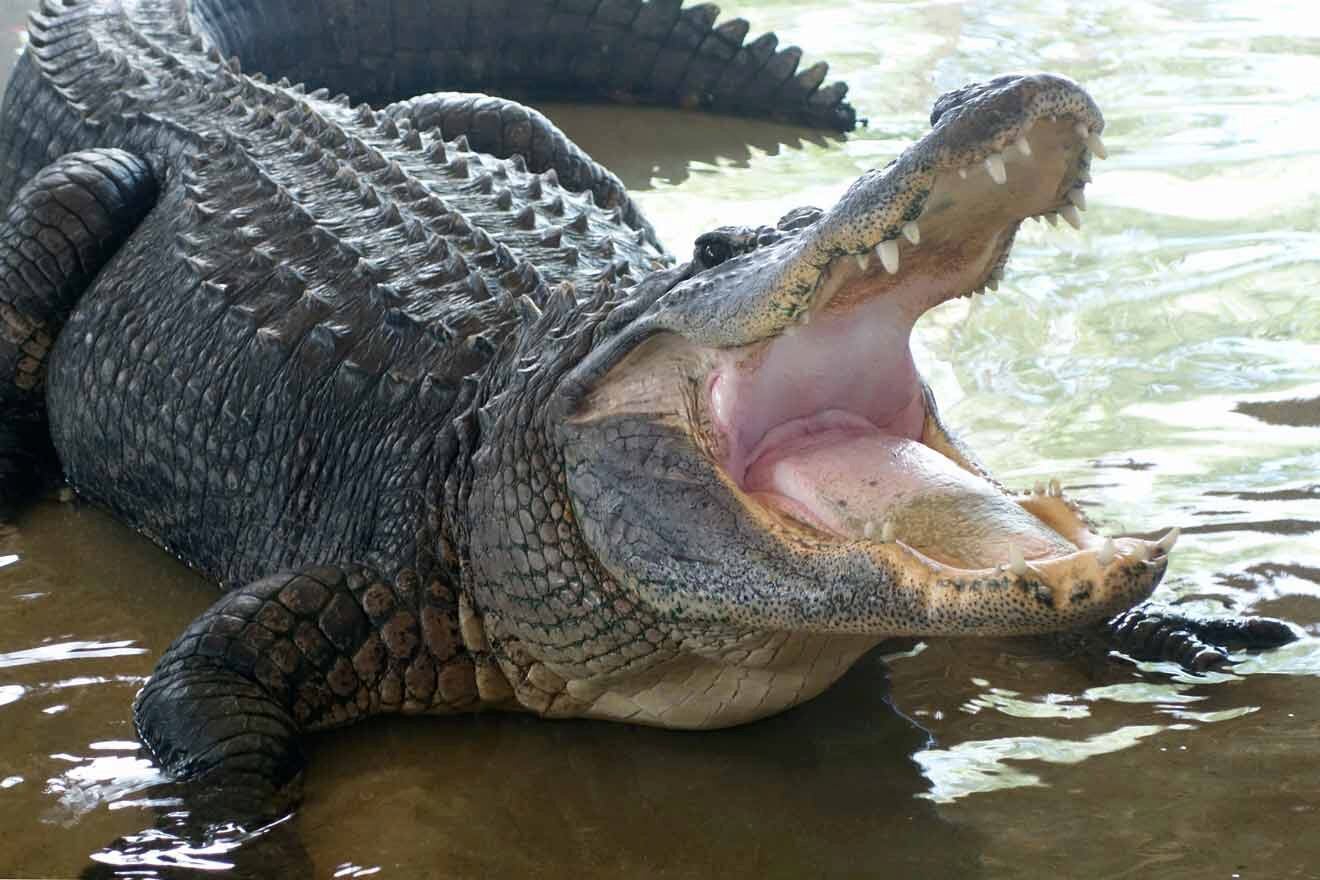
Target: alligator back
column 267, row 374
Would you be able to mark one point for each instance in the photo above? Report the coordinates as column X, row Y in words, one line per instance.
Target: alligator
column 421, row 390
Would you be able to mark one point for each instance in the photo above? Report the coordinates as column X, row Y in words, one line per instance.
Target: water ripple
column 980, row 765
column 75, row 650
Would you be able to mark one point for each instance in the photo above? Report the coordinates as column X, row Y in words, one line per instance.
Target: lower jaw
column 840, row 475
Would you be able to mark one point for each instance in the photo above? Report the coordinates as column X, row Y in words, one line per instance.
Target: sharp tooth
column 1097, row 146
column 962, row 172
column 863, row 261
column 994, row 163
column 1069, row 213
column 912, row 232
column 1078, row 198
column 1056, row 488
column 1107, row 552
column 887, row 533
column 1166, row 543
column 1052, row 219
column 888, row 251
column 1016, row 563
column 1023, row 146
column 1039, row 488
column 868, row 530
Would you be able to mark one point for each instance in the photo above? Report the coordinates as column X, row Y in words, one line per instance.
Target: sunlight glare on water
column 1163, row 363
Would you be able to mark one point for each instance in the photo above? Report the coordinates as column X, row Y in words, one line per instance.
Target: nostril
column 969, row 94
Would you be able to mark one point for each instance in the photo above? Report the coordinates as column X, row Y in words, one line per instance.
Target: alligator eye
column 712, row 250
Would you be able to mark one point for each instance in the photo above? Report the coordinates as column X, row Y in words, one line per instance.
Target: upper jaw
column 948, row 206
column 945, row 210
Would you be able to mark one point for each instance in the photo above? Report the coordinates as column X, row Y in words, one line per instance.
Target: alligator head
column 736, row 481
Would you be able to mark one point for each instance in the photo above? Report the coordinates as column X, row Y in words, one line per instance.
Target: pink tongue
column 840, row 480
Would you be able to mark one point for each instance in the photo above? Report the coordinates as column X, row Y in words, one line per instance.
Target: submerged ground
column 1164, row 363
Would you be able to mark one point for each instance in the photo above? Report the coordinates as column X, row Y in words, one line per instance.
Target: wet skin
column 456, row 436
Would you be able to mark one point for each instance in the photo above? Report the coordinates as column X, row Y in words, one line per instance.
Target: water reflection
column 75, row 650
column 819, row 791
column 96, row 781
column 653, row 147
column 981, row 766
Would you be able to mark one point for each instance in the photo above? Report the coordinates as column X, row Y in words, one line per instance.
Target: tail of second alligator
column 639, row 51
column 91, row 61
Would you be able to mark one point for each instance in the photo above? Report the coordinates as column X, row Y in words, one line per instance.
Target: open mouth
column 829, row 428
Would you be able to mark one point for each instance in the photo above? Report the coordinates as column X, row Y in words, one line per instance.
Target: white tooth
column 994, row 163
column 1052, row 219
column 1097, row 146
column 1015, row 560
column 1023, row 146
column 1039, row 488
column 887, row 533
column 962, row 172
column 1069, row 213
column 1078, row 198
column 863, row 261
column 912, row 232
column 1106, row 552
column 1166, row 543
column 888, row 251
column 868, row 530
column 1056, row 488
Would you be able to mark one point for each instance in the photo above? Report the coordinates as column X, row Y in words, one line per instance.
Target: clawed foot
column 1195, row 643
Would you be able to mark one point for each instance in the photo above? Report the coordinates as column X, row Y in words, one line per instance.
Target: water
column 1147, row 362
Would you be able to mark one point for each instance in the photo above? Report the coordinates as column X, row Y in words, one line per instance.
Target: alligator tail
column 634, row 51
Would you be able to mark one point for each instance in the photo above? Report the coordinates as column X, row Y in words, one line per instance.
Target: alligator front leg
column 1196, row 643
column 60, row 229
column 229, row 701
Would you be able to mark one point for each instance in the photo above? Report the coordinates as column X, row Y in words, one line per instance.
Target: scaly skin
column 439, row 412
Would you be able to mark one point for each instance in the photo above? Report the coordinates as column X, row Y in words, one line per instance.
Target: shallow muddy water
column 1164, row 363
